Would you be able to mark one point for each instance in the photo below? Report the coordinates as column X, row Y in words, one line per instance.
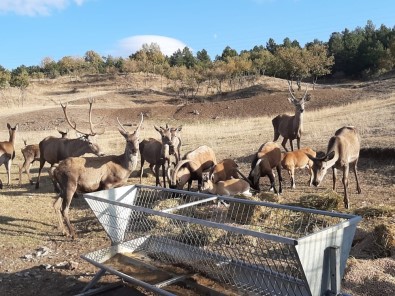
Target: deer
column 7, row 151
column 89, row 174
column 31, row 153
column 191, row 167
column 290, row 127
column 225, row 170
column 265, row 160
column 176, row 140
column 298, row 159
column 53, row 149
column 157, row 153
column 342, row 153
column 228, row 187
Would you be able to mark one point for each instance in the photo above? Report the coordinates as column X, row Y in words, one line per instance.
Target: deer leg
column 334, row 177
column 8, row 168
column 164, row 175
column 57, row 206
column 311, row 176
column 356, row 176
column 280, row 179
column 292, row 175
column 71, row 188
column 291, row 144
column 27, row 170
column 157, row 176
column 42, row 162
column 283, row 143
column 272, row 182
column 345, row 185
column 141, row 168
column 298, row 142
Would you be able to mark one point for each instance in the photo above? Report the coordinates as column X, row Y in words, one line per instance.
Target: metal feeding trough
column 163, row 238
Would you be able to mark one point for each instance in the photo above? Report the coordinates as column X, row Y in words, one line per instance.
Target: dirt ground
column 35, row 259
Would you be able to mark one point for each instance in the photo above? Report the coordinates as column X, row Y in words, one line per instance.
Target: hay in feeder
column 243, row 213
column 199, row 235
column 328, row 201
column 161, row 205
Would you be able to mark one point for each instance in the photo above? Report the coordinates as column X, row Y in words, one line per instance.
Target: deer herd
column 71, row 172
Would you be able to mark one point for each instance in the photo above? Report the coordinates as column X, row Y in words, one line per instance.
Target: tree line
column 359, row 53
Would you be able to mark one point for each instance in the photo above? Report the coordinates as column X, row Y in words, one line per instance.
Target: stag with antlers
column 53, row 150
column 89, row 174
column 290, row 127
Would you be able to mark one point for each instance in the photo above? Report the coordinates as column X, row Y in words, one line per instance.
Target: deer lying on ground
column 31, row 153
column 342, row 153
column 53, row 150
column 290, row 127
column 7, row 151
column 89, row 174
column 225, row 170
column 191, row 167
column 265, row 160
column 298, row 160
column 157, row 154
column 228, row 187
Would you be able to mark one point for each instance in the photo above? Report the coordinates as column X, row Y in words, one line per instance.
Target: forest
column 362, row 53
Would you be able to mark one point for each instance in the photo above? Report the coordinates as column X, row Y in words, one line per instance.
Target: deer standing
column 342, row 153
column 290, row 127
column 89, row 174
column 31, row 153
column 7, row 151
column 157, row 154
column 53, row 150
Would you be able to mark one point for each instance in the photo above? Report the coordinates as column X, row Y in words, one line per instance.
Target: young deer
column 290, row 127
column 89, row 174
column 7, row 151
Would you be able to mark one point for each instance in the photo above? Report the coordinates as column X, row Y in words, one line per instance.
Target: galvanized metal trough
column 248, row 247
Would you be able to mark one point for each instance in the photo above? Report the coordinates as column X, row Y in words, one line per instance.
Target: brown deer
column 342, row 153
column 53, row 150
column 31, row 153
column 89, row 174
column 265, row 160
column 290, row 127
column 7, row 151
column 157, row 154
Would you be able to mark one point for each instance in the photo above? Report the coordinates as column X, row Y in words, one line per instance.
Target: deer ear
column 291, row 100
column 157, row 128
column 330, row 155
column 8, row 126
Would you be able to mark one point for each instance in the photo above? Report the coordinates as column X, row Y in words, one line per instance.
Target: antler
column 120, row 124
column 305, row 93
column 64, row 107
column 290, row 91
column 141, row 122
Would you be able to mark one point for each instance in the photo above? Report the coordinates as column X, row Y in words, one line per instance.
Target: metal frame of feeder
column 288, row 250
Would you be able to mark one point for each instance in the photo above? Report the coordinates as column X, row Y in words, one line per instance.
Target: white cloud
column 35, row 7
column 130, row 45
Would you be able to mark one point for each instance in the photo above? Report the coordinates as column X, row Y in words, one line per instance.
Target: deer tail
column 276, row 122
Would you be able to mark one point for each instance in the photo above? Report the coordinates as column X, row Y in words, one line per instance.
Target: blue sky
column 35, row 29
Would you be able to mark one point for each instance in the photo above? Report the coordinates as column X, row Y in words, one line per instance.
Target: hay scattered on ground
column 378, row 243
column 375, row 212
column 328, row 201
